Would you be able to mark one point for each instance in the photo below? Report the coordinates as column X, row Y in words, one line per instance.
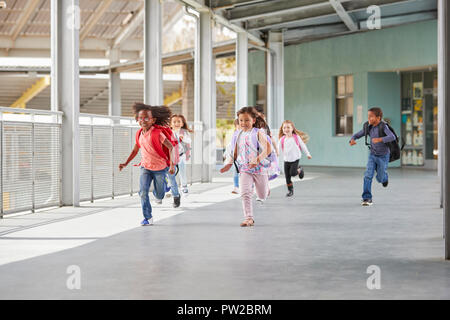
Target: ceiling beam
column 29, row 9
column 219, row 18
column 179, row 57
column 225, row 4
column 94, row 17
column 129, row 29
column 402, row 19
column 345, row 17
column 299, row 34
column 44, row 43
column 274, row 8
column 296, row 19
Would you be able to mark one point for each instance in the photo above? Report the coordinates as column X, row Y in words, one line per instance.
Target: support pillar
column 207, row 94
column 65, row 92
column 275, row 80
column 153, row 80
column 444, row 115
column 115, row 103
column 241, row 70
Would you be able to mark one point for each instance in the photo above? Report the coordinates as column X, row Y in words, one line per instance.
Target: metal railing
column 30, row 156
column 105, row 142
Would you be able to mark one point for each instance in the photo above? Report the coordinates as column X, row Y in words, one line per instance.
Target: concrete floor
column 317, row 245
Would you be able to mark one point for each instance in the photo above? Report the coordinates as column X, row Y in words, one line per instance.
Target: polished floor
column 320, row 244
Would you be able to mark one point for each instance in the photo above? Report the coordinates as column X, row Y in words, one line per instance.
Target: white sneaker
column 235, row 190
column 261, row 201
column 158, row 201
column 150, row 221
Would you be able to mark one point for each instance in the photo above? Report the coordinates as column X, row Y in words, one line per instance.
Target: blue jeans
column 146, row 178
column 182, row 172
column 235, row 177
column 380, row 164
column 173, row 184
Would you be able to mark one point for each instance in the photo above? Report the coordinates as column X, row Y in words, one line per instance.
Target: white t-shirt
column 186, row 139
column 291, row 152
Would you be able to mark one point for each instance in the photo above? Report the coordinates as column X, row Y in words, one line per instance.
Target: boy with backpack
column 383, row 149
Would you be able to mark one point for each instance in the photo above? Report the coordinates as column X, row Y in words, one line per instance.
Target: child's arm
column 266, row 150
column 229, row 159
column 356, row 136
column 274, row 144
column 186, row 137
column 304, row 147
column 171, row 149
column 133, row 154
column 386, row 139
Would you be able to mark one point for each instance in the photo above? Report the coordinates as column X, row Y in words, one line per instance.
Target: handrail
column 32, row 111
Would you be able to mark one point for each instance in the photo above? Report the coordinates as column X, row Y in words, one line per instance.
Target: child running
column 379, row 152
column 154, row 140
column 250, row 159
column 292, row 143
column 182, row 132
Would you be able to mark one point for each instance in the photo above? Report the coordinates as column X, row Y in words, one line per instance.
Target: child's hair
column 252, row 112
column 183, row 119
column 301, row 134
column 377, row 111
column 160, row 113
column 260, row 109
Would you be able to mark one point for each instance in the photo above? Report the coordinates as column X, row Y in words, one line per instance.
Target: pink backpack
column 296, row 138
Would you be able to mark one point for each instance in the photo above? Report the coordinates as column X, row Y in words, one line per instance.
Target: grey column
column 207, row 93
column 115, row 103
column 275, row 81
column 444, row 105
column 65, row 93
column 241, row 70
column 153, row 81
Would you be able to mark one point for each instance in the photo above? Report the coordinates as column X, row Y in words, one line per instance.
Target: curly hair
column 301, row 134
column 162, row 114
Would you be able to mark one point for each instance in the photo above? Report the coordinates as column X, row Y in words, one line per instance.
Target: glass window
column 349, row 84
column 344, row 105
column 341, row 86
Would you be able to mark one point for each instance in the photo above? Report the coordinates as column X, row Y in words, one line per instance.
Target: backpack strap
column 297, row 141
column 282, row 142
column 234, row 140
column 366, row 133
column 381, row 132
column 254, row 138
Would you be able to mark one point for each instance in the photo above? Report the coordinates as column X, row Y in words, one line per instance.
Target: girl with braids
column 250, row 148
column 157, row 154
column 291, row 144
column 182, row 132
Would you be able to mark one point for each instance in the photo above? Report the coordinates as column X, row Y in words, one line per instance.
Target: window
column 344, row 105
